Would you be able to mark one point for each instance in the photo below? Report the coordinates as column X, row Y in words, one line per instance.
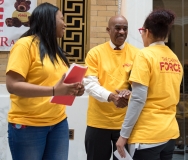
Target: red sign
column 1, row 13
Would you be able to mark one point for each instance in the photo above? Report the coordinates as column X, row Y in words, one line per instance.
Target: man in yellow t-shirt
column 109, row 67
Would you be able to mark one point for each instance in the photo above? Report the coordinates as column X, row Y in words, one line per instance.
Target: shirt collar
column 113, row 46
column 157, row 43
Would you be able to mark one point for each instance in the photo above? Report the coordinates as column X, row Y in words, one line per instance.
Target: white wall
column 77, row 121
column 136, row 12
column 4, row 107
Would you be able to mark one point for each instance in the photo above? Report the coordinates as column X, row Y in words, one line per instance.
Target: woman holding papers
column 36, row 69
column 150, row 127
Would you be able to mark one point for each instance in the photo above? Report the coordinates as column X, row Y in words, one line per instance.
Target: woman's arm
column 135, row 106
column 17, row 85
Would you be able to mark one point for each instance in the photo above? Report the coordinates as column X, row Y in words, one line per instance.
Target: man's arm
column 94, row 89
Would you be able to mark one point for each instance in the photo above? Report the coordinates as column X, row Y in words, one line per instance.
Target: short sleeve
column 19, row 59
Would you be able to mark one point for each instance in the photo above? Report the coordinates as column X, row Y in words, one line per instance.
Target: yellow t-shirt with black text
column 158, row 68
column 38, row 111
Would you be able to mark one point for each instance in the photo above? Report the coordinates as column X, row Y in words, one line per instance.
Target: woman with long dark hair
column 36, row 69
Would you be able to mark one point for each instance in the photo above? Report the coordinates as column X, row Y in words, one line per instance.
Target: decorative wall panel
column 74, row 41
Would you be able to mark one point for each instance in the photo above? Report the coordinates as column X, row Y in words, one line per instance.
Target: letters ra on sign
column 1, row 13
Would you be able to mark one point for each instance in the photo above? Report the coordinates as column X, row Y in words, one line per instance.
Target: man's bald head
column 117, row 29
column 115, row 19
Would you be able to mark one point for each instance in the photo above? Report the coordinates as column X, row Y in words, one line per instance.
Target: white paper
column 127, row 156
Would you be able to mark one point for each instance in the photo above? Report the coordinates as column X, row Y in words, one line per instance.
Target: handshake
column 120, row 98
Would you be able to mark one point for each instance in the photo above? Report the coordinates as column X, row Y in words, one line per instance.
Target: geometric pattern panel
column 74, row 40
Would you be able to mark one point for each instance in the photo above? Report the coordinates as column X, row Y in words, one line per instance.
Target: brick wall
column 3, row 64
column 101, row 11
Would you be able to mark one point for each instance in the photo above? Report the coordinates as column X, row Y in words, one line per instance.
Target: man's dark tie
column 117, row 48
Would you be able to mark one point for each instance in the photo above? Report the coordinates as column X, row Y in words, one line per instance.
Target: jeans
column 39, row 143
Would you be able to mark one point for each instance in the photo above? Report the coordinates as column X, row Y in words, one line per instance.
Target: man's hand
column 120, row 99
column 120, row 144
column 113, row 97
column 119, row 102
column 123, row 98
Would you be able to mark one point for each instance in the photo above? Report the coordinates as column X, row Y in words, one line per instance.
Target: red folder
column 75, row 73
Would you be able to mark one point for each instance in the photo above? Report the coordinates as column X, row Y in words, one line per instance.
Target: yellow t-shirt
column 25, row 60
column 112, row 67
column 158, row 68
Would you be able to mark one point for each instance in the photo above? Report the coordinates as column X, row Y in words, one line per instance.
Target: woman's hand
column 75, row 89
column 81, row 90
column 120, row 144
column 124, row 93
column 117, row 100
column 121, row 99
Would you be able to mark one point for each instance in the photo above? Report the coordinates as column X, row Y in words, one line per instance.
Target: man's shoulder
column 101, row 45
column 99, row 48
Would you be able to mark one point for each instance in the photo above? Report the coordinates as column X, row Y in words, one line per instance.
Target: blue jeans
column 39, row 143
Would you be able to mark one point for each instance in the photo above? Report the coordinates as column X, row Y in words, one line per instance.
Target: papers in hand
column 128, row 157
column 75, row 74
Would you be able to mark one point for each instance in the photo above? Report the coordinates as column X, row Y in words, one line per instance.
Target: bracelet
column 53, row 91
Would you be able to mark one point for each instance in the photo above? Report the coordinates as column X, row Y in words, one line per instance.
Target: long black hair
column 43, row 26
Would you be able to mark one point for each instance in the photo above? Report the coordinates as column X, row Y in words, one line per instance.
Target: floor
column 180, row 157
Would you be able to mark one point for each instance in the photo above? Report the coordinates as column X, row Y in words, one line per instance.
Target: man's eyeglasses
column 141, row 29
